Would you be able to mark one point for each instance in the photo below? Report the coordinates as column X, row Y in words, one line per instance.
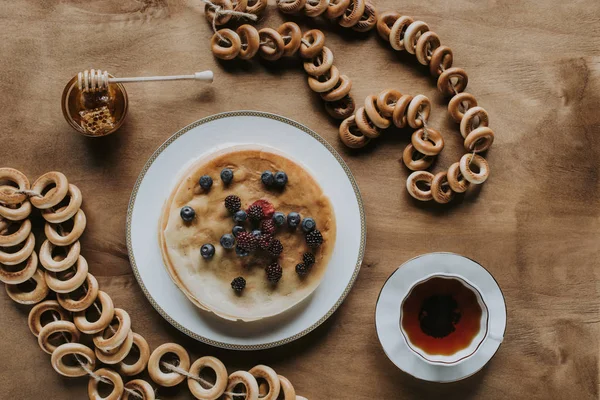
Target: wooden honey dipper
column 93, row 80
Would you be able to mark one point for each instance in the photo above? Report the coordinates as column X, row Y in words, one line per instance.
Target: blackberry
column 205, row 182
column 247, row 241
column 281, row 179
column 274, row 272
column 275, row 247
column 187, row 213
column 308, row 258
column 267, row 178
column 293, row 219
column 255, row 212
column 302, row 269
column 207, row 250
column 240, row 216
column 314, row 239
column 233, row 203
column 279, row 218
column 226, row 175
column 227, row 241
column 237, row 229
column 238, row 284
column 267, row 227
column 264, row 242
column 308, row 224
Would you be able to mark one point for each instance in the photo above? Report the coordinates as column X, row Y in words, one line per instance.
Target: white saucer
column 387, row 315
column 219, row 132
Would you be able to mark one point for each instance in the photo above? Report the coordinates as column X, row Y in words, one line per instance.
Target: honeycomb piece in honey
column 97, row 121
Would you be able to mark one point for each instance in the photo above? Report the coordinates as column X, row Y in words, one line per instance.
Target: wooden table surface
column 534, row 65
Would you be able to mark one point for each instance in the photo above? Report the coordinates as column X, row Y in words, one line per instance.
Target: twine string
column 472, row 157
column 311, row 2
column 425, row 131
column 219, row 11
column 181, row 371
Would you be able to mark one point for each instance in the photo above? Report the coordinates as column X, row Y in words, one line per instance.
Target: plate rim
column 246, row 113
column 379, row 298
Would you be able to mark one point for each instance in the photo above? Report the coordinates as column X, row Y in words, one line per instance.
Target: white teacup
column 462, row 354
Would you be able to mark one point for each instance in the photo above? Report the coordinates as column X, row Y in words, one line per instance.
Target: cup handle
column 497, row 338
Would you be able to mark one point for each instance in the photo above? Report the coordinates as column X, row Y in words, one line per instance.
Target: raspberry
column 275, row 248
column 267, row 227
column 238, row 284
column 308, row 258
column 302, row 269
column 274, row 272
column 247, row 241
column 267, row 208
column 255, row 212
column 233, row 203
column 314, row 239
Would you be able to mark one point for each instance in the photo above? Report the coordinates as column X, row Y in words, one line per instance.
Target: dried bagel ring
column 210, row 12
column 399, row 114
column 90, row 289
column 352, row 14
column 385, row 23
column 20, row 255
column 226, row 44
column 350, row 135
column 67, row 212
column 106, row 315
column 468, row 122
column 256, row 6
column 386, row 100
column 108, row 340
column 375, row 114
column 217, row 390
column 8, row 193
column 55, row 195
column 62, row 327
column 249, row 41
column 432, row 146
column 368, row 20
column 324, row 82
column 292, row 30
column 39, row 293
column 247, row 380
column 412, row 33
column 341, row 90
column 316, row 9
column 398, row 32
column 476, row 178
column 239, row 5
column 365, row 125
column 460, row 104
column 416, row 192
column 455, row 179
column 427, row 42
column 84, row 355
column 34, row 319
column 271, row 378
column 79, row 223
column 479, row 140
column 20, row 275
column 168, row 379
column 142, row 388
column 57, row 265
column 418, row 111
column 337, row 8
column 113, row 377
column 117, row 355
column 291, row 7
column 17, row 237
column 316, row 40
column 340, row 109
column 72, row 281
column 445, row 84
column 287, row 389
column 414, row 160
column 440, row 194
column 18, row 213
column 271, row 37
column 144, row 354
column 441, row 60
column 320, row 64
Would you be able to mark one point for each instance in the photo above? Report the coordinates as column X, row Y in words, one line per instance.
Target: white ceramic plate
column 387, row 315
column 203, row 137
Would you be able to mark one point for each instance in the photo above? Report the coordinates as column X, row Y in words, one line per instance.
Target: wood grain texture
column 534, row 66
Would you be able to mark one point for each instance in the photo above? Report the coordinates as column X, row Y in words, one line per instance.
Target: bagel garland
column 77, row 291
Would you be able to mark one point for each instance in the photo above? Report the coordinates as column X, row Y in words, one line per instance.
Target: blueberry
column 256, row 233
column 240, row 216
column 228, row 241
column 280, row 179
column 279, row 218
column 241, row 252
column 308, row 224
column 206, row 182
column 267, row 178
column 226, row 176
column 207, row 250
column 237, row 229
column 187, row 213
column 293, row 219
